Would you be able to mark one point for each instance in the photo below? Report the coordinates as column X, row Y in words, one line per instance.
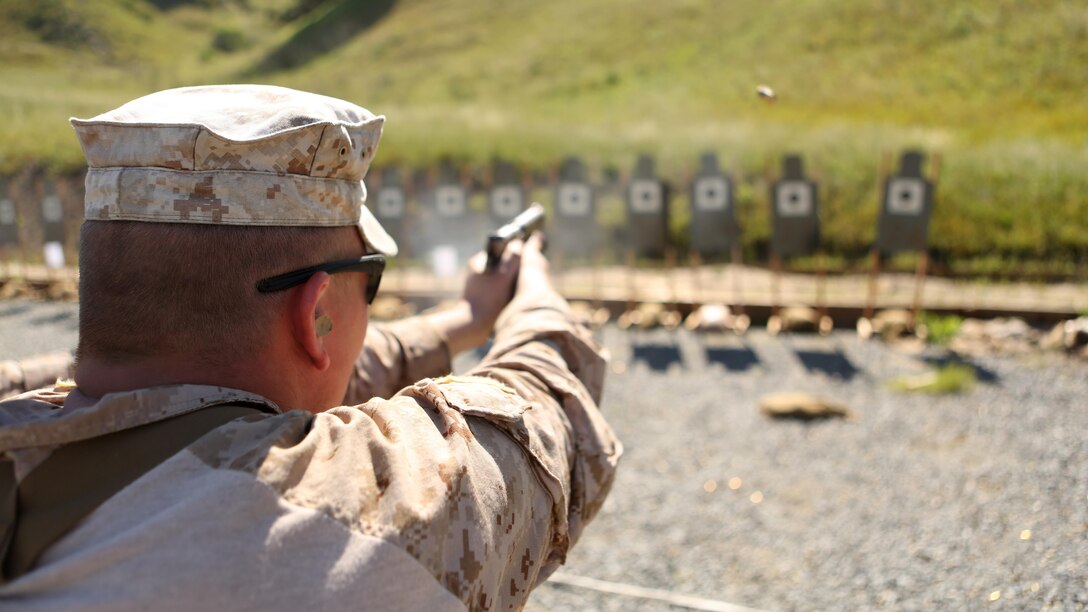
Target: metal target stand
column 574, row 234
column 452, row 225
column 714, row 231
column 906, row 209
column 794, row 204
column 647, row 235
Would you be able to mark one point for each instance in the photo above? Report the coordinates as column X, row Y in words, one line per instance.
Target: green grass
column 941, row 328
column 995, row 86
column 950, row 378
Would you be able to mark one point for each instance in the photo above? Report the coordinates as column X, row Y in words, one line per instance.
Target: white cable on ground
column 630, row 590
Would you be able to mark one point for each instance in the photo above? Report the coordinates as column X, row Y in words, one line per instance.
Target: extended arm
column 400, row 353
column 487, row 479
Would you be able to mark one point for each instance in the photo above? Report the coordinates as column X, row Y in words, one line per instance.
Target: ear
column 305, row 308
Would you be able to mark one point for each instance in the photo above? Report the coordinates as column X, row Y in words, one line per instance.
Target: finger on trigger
column 535, row 241
column 515, row 247
column 478, row 262
column 511, row 257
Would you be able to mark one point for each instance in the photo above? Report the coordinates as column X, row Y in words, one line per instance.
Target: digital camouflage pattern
column 236, row 155
column 455, row 493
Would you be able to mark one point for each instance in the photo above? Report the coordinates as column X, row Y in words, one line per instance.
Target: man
column 201, row 458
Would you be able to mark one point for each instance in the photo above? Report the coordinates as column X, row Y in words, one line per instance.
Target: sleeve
column 480, row 485
column 485, row 479
column 396, row 355
column 19, row 376
column 549, row 358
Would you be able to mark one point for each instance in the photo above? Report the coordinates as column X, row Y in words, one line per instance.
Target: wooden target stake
column 601, row 313
column 696, row 291
column 919, row 281
column 671, row 318
column 776, row 285
column 741, row 321
column 865, row 323
column 631, row 264
column 627, row 318
column 695, row 266
column 774, row 324
column 826, row 324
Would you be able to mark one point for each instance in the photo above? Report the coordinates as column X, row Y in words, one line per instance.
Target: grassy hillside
column 996, row 86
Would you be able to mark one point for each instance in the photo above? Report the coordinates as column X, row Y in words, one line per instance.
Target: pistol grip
column 495, row 248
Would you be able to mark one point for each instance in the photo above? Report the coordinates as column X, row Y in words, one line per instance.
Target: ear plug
column 323, row 325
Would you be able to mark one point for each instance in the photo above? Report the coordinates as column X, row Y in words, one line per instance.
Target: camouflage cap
column 234, row 154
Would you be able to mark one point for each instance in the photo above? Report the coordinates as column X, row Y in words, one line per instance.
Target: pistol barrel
column 520, row 227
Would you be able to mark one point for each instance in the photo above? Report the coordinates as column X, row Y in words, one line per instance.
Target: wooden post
column 874, row 271
column 741, row 320
column 919, row 281
column 626, row 319
column 698, row 293
column 595, row 280
column 670, row 278
column 671, row 318
column 632, row 284
column 601, row 314
column 735, row 260
column 825, row 325
column 776, row 280
column 774, row 323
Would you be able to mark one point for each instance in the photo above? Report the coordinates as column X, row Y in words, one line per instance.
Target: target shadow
column 833, row 363
column 658, row 356
column 732, row 358
column 982, row 373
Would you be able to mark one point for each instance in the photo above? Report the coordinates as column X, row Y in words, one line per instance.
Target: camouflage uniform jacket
column 454, row 493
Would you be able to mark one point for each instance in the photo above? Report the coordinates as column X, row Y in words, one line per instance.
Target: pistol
column 519, row 228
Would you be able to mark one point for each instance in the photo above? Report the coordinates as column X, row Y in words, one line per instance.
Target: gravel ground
column 31, row 328
column 921, row 503
column 974, row 501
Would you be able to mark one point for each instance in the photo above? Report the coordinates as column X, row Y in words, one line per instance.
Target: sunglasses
column 373, row 265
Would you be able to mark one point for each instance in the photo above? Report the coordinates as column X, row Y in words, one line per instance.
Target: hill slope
column 996, row 85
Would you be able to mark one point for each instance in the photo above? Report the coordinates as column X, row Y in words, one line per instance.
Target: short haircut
column 150, row 289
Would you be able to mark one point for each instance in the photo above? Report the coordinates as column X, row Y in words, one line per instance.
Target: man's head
column 197, row 194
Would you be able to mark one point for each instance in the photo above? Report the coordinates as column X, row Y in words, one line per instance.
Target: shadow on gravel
column 982, row 374
column 657, row 356
column 732, row 359
column 829, row 363
column 14, row 309
column 52, row 319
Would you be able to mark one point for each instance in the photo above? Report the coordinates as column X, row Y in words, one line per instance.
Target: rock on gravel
column 804, row 406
